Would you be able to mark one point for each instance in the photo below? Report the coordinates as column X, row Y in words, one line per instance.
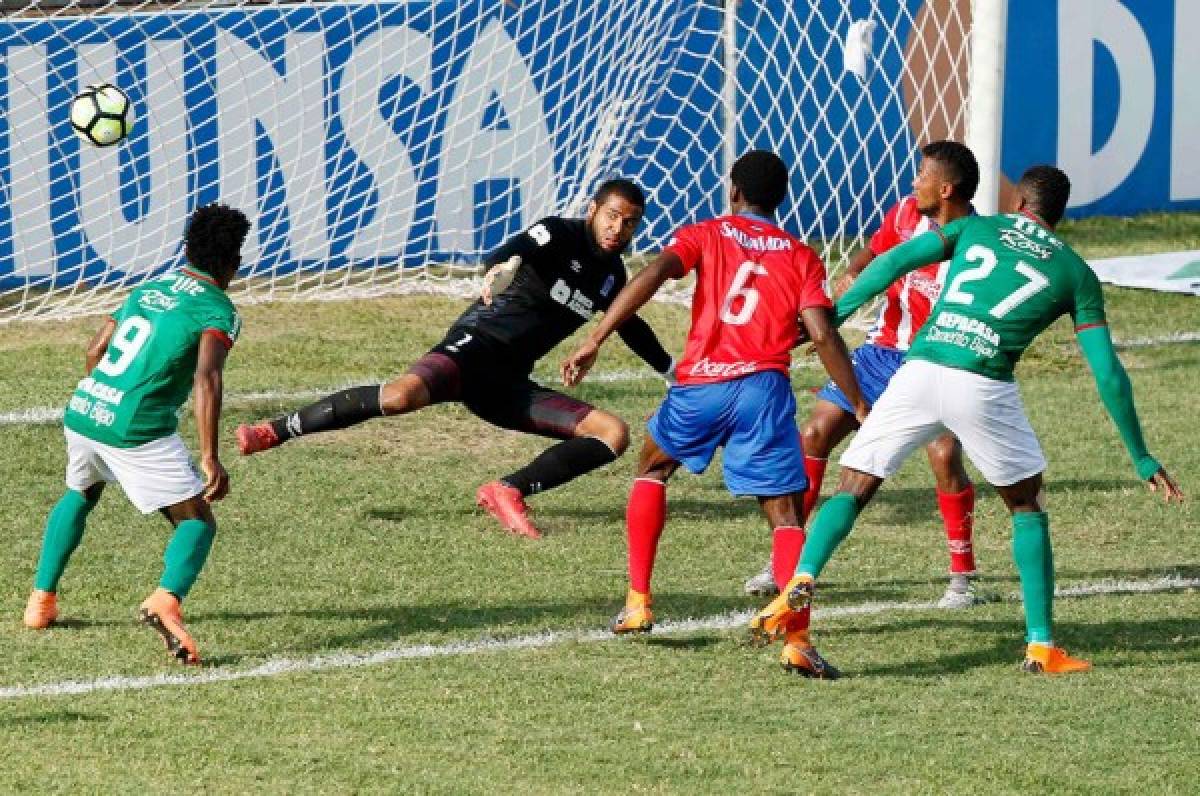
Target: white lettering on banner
column 472, row 153
column 383, row 56
column 250, row 90
column 1081, row 25
column 717, row 370
column 28, row 191
column 760, row 243
column 1185, row 108
column 139, row 241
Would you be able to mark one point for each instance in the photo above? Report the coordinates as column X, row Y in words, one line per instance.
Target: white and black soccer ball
column 102, row 114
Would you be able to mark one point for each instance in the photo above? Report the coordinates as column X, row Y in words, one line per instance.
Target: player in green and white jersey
column 1009, row 278
column 171, row 335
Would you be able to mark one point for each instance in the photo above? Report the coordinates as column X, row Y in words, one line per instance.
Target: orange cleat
column 508, row 506
column 635, row 617
column 801, row 657
column 1048, row 659
column 773, row 621
column 161, row 612
column 42, row 609
column 256, row 438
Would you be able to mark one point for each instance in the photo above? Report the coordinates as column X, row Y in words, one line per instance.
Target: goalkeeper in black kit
column 563, row 271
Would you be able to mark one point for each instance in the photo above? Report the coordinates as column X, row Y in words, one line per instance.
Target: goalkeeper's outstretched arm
column 1116, row 392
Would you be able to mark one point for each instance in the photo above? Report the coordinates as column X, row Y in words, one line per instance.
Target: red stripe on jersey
column 909, row 300
column 1084, row 326
column 203, row 277
column 220, row 335
column 753, row 279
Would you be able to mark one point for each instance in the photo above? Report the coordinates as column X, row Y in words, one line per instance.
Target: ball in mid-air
column 102, row 114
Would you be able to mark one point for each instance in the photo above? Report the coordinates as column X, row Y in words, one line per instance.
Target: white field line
column 401, row 652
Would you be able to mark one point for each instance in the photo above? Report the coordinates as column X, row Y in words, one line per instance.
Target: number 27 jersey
column 752, row 281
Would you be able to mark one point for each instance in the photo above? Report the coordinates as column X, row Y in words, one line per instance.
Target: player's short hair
column 958, row 165
column 622, row 187
column 1046, row 189
column 762, row 177
column 214, row 237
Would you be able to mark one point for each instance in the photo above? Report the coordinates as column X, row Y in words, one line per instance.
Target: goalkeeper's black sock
column 559, row 464
column 340, row 410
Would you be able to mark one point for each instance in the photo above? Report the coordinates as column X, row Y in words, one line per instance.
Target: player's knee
column 813, row 440
column 405, row 394
column 609, row 429
column 945, row 459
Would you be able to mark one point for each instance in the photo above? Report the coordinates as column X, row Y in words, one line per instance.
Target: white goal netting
column 385, row 147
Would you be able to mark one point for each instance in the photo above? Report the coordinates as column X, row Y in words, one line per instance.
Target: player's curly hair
column 958, row 164
column 627, row 189
column 762, row 177
column 214, row 237
column 1047, row 190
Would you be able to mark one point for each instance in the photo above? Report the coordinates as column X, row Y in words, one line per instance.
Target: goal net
column 387, row 147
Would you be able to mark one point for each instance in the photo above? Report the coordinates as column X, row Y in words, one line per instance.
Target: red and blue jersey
column 752, row 281
column 909, row 299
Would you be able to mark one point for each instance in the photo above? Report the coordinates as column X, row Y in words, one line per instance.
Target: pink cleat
column 508, row 506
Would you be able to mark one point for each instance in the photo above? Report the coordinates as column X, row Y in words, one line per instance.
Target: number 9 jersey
column 752, row 281
column 133, row 394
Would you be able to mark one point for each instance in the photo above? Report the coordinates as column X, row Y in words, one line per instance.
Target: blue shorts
column 874, row 367
column 753, row 418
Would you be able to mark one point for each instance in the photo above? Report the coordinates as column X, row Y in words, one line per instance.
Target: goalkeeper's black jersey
column 564, row 278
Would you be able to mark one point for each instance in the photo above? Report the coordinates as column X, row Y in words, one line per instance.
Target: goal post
column 384, row 147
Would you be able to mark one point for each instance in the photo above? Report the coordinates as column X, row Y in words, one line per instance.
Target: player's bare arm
column 858, row 263
column 207, row 393
column 1116, row 392
column 831, row 348
column 633, row 297
column 99, row 344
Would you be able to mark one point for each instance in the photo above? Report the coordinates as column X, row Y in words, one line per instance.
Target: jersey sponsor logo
column 573, row 300
column 963, row 332
column 927, row 286
column 1016, row 241
column 186, row 284
column 723, row 370
column 760, row 243
column 157, row 301
column 101, row 391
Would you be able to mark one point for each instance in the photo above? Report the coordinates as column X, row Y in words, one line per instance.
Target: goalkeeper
column 1010, row 277
column 562, row 272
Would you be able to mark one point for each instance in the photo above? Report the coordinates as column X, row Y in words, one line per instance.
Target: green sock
column 1035, row 563
column 185, row 556
column 64, row 529
column 831, row 525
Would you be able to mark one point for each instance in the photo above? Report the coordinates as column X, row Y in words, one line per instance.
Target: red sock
column 645, row 517
column 786, row 545
column 958, row 513
column 815, row 470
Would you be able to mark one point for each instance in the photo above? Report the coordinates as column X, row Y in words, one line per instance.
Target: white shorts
column 923, row 399
column 154, row 475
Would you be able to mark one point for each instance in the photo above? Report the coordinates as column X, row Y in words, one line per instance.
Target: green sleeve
column 1088, row 301
column 931, row 247
column 1117, row 394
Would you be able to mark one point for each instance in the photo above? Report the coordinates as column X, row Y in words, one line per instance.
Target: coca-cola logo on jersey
column 717, row 370
column 928, row 286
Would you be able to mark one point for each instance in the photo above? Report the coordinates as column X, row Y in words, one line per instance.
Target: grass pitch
column 366, row 542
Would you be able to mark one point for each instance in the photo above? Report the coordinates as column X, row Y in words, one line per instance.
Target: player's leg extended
column 1034, row 557
column 826, row 427
column 645, row 518
column 186, row 552
column 64, row 530
column 591, row 438
column 784, row 513
column 956, row 502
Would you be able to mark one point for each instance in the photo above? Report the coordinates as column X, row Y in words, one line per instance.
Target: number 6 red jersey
column 752, row 281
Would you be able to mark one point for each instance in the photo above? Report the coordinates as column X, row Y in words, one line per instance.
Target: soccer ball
column 102, row 114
